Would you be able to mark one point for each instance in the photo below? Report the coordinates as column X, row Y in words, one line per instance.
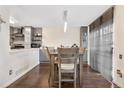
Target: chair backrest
column 68, row 55
column 49, row 49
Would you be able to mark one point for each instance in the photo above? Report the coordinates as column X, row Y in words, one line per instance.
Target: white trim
column 88, row 54
column 16, row 78
column 116, row 84
column 44, row 62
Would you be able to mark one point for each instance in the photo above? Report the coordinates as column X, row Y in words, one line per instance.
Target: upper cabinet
column 36, row 37
column 25, row 37
column 16, row 37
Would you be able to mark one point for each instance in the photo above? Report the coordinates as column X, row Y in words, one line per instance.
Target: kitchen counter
column 23, row 50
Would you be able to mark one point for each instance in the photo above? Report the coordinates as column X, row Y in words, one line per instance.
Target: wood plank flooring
column 38, row 78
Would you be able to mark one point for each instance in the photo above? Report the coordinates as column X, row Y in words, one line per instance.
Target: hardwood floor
column 38, row 78
column 93, row 79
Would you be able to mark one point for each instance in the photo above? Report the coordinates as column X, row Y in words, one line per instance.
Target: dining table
column 54, row 55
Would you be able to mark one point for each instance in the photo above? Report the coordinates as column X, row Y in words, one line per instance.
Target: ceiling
column 52, row 15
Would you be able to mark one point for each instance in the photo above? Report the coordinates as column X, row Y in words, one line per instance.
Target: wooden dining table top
column 55, row 52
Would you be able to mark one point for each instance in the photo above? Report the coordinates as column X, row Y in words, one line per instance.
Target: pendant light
column 65, row 20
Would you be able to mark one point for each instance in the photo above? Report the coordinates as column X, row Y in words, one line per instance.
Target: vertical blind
column 101, row 42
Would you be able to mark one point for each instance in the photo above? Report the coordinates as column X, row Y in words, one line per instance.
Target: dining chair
column 67, row 58
column 49, row 50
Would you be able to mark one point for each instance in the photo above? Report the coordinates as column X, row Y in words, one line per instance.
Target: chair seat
column 67, row 66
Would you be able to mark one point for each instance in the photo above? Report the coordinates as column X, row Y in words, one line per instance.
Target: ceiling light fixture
column 65, row 20
column 65, row 26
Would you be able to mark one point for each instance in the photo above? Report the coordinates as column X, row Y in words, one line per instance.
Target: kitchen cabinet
column 25, row 37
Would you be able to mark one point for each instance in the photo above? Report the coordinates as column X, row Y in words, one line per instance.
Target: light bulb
column 65, row 26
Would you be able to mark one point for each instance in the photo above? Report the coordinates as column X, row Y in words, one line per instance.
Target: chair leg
column 75, row 78
column 75, row 83
column 59, row 78
column 79, row 75
column 59, row 84
column 49, row 80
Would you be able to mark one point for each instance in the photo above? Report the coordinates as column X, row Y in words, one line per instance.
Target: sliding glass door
column 101, row 42
column 106, row 49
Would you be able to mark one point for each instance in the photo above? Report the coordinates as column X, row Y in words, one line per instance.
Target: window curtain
column 101, row 42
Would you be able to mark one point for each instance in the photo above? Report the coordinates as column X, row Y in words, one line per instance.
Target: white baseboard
column 44, row 62
column 16, row 78
column 117, row 84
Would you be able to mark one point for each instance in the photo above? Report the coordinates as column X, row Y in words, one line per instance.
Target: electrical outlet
column 120, row 56
column 119, row 73
column 10, row 72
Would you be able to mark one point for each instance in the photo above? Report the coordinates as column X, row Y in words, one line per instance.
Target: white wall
column 19, row 61
column 118, row 45
column 56, row 36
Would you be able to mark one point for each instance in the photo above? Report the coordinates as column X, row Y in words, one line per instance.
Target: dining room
column 60, row 46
